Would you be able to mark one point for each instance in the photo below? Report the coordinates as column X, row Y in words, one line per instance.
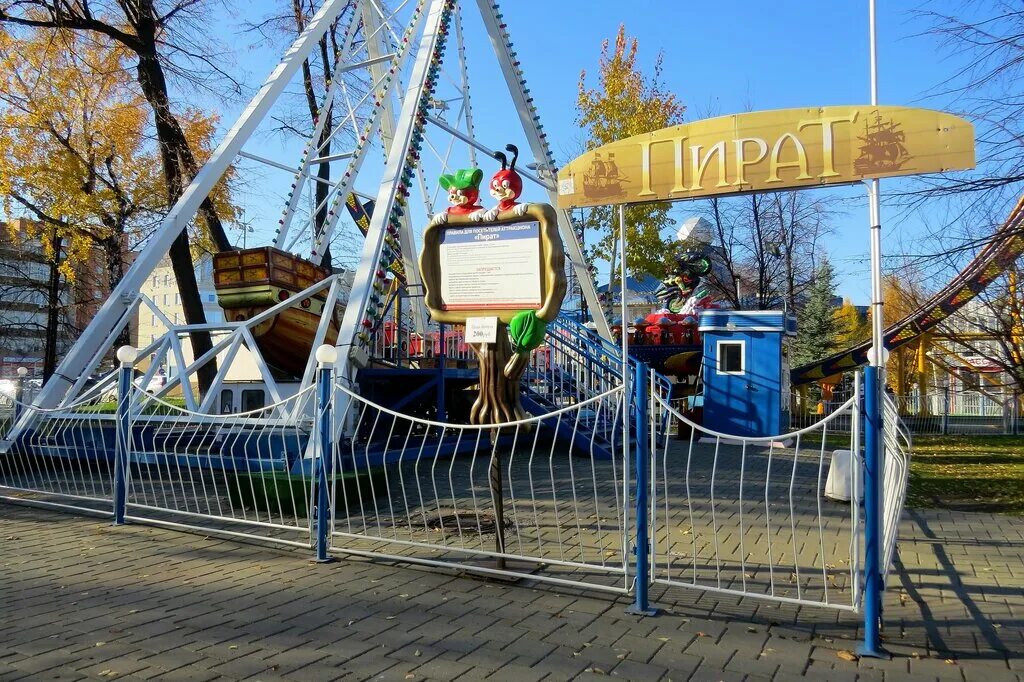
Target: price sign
column 481, row 330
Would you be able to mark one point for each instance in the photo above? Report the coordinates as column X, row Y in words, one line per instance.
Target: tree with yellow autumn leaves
column 626, row 102
column 160, row 39
column 77, row 154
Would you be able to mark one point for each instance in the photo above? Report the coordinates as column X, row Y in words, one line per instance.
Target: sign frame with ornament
column 767, row 151
column 552, row 266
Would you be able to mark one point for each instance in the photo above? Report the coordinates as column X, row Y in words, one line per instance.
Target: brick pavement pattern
column 80, row 599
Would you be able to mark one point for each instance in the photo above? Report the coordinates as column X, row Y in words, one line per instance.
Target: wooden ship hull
column 250, row 281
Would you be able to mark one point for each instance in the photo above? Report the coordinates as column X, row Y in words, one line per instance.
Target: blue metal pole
column 872, row 646
column 643, row 548
column 122, row 439
column 324, row 460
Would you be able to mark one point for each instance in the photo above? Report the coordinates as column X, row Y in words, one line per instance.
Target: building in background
column 33, row 292
column 162, row 289
column 640, row 298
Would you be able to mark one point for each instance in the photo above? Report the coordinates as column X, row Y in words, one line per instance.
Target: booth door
column 733, row 394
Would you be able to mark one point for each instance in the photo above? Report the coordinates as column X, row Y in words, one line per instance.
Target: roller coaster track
column 1005, row 247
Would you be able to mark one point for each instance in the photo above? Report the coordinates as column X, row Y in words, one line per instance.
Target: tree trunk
column 191, row 302
column 52, row 308
column 113, row 253
column 179, row 167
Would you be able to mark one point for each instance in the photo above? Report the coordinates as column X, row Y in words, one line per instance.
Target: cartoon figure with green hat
column 463, row 193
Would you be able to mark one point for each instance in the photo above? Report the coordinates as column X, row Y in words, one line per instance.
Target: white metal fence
column 65, row 458
column 246, row 472
column 550, row 497
column 940, row 412
column 747, row 516
column 897, row 445
column 531, row 497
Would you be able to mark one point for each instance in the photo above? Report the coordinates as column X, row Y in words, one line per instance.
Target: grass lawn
column 968, row 473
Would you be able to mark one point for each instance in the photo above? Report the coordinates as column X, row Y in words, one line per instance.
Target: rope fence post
column 323, row 460
column 19, row 393
column 944, row 430
column 641, row 607
column 122, row 430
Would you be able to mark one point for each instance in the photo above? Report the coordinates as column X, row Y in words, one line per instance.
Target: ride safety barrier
column 597, row 492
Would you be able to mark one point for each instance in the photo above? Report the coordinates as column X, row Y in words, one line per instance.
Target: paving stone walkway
column 80, row 599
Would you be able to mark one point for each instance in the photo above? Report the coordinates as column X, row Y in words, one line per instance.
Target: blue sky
column 720, row 57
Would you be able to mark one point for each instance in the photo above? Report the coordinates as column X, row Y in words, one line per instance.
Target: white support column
column 542, row 155
column 99, row 332
column 464, row 80
column 362, row 285
column 330, row 305
column 97, row 356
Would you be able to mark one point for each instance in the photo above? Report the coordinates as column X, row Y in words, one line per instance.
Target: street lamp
column 246, row 229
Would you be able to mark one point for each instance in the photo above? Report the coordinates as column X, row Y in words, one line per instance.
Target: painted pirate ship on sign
column 882, row 148
column 602, row 179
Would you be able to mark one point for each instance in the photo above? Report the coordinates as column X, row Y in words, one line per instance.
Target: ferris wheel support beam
column 530, row 123
column 99, row 333
column 464, row 80
column 323, row 116
column 479, row 146
column 372, row 20
column 362, row 285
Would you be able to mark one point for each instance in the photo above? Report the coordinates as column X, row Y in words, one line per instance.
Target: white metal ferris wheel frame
column 87, row 353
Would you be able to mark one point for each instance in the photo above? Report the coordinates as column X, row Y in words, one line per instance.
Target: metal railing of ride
column 807, row 410
column 944, row 411
column 938, row 412
column 64, row 459
column 402, row 346
column 533, row 497
column 239, row 473
column 746, row 516
column 898, row 444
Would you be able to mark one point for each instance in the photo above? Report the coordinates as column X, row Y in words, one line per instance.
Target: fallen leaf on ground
column 847, row 655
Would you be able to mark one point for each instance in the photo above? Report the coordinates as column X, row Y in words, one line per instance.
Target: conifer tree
column 819, row 332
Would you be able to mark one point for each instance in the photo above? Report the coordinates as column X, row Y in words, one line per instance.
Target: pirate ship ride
column 250, row 281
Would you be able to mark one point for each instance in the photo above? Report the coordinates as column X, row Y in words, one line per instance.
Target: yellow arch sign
column 764, row 151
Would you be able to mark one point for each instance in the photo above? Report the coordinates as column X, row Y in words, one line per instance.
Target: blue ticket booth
column 746, row 372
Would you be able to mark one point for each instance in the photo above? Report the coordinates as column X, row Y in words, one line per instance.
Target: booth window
column 731, row 357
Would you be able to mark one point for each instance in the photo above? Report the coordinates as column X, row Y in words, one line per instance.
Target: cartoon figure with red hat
column 506, row 186
column 463, row 193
